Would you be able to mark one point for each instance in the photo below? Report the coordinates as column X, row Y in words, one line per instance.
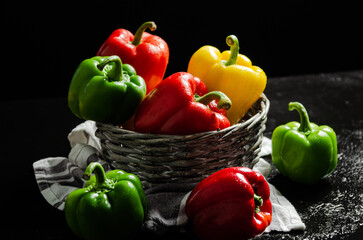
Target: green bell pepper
column 111, row 206
column 305, row 152
column 105, row 90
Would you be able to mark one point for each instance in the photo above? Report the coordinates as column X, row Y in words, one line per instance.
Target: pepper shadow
column 298, row 193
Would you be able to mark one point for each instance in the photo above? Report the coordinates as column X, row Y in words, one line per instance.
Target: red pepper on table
column 178, row 106
column 232, row 203
column 147, row 53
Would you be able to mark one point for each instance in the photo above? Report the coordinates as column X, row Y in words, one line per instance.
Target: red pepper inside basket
column 178, row 106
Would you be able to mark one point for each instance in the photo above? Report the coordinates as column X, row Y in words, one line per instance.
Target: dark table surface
column 331, row 209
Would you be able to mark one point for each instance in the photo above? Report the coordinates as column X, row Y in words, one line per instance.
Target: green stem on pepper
column 258, row 202
column 232, row 41
column 138, row 35
column 304, row 117
column 223, row 101
column 97, row 169
column 116, row 73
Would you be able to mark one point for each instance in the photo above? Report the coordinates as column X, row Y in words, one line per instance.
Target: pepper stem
column 116, row 73
column 232, row 41
column 304, row 117
column 99, row 172
column 141, row 30
column 258, row 202
column 223, row 101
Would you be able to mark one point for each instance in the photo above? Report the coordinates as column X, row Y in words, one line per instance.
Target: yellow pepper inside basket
column 231, row 73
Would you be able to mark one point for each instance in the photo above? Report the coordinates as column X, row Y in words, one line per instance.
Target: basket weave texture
column 158, row 159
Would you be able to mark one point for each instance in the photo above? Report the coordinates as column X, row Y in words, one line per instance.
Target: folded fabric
column 58, row 176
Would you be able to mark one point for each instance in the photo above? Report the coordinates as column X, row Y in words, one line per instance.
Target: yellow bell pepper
column 231, row 73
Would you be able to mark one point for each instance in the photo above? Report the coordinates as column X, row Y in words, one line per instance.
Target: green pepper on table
column 304, row 152
column 105, row 90
column 111, row 206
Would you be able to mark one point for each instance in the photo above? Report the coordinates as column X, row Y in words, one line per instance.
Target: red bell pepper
column 232, row 203
column 147, row 53
column 178, row 106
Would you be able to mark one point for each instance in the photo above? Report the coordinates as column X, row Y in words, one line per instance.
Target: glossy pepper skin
column 147, row 53
column 304, row 152
column 111, row 206
column 105, row 90
column 232, row 203
column 174, row 108
column 231, row 73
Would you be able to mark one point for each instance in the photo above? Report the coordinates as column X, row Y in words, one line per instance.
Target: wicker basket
column 158, row 159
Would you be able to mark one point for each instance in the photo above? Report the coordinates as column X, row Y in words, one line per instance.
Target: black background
column 44, row 42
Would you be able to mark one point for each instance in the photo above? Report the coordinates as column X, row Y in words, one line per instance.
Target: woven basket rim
column 250, row 121
column 161, row 158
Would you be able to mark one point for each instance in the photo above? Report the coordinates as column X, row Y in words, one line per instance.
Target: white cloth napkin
column 58, row 176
